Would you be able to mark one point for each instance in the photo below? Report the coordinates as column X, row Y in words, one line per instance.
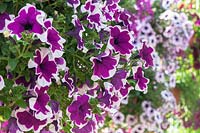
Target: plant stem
column 3, row 58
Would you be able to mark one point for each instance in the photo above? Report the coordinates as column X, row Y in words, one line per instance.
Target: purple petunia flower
column 124, row 91
column 77, row 33
column 55, row 125
column 74, row 4
column 51, row 37
column 95, row 16
column 146, row 54
column 4, row 17
column 2, row 84
column 88, row 128
column 26, row 121
column 143, row 8
column 12, row 126
column 119, row 79
column 104, row 65
column 39, row 103
column 28, row 19
column 45, row 67
column 79, row 110
column 69, row 83
column 120, row 40
column 61, row 63
column 141, row 80
column 104, row 98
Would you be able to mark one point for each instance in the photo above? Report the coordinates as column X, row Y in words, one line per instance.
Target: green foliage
column 188, row 80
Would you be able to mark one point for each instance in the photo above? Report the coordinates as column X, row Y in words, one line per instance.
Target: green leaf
column 9, row 83
column 13, row 63
column 97, row 111
column 21, row 103
column 93, row 101
column 28, row 55
column 5, row 49
column 3, row 99
column 6, row 112
column 3, row 7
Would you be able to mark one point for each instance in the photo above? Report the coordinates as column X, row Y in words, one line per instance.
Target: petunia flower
column 119, row 79
column 77, row 32
column 118, row 118
column 146, row 105
column 2, row 84
column 39, row 103
column 51, row 37
column 167, row 3
column 4, row 19
column 124, row 100
column 104, row 98
column 95, row 16
column 104, row 65
column 79, row 110
column 141, row 80
column 74, row 4
column 131, row 120
column 169, row 31
column 12, row 126
column 143, row 8
column 45, row 66
column 61, row 63
column 28, row 19
column 124, row 91
column 146, row 54
column 143, row 118
column 26, row 121
column 120, row 40
column 69, row 83
column 167, row 95
column 172, row 81
column 55, row 125
column 88, row 7
column 139, row 128
column 158, row 117
column 119, row 130
column 90, row 127
column 160, row 77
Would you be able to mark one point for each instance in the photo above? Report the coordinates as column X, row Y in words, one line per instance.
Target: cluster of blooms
column 112, row 65
column 173, row 36
column 125, row 48
column 109, row 65
column 151, row 120
column 46, row 64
